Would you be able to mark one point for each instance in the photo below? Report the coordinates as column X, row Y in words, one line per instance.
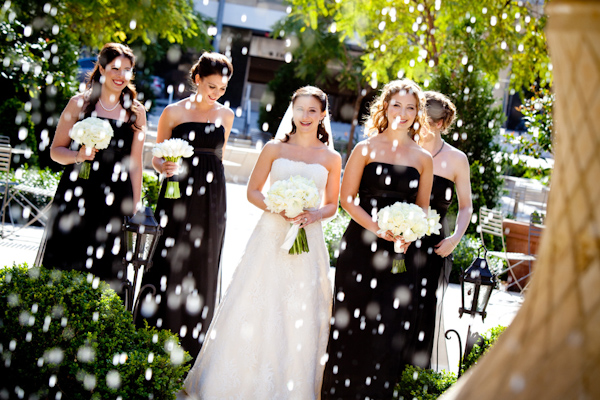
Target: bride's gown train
column 268, row 338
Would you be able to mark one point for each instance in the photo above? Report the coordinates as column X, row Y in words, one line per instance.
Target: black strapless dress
column 84, row 230
column 368, row 337
column 185, row 268
column 424, row 270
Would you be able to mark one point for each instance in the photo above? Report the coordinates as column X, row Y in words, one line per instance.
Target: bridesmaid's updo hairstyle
column 440, row 108
column 109, row 52
column 377, row 121
column 320, row 95
column 211, row 64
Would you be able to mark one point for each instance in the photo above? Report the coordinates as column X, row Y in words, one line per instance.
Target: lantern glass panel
column 130, row 243
column 484, row 294
column 469, row 292
column 144, row 246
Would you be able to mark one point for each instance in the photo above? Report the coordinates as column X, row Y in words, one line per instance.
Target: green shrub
column 150, row 189
column 489, row 338
column 333, row 232
column 68, row 332
column 426, row 384
column 476, row 130
column 423, row 384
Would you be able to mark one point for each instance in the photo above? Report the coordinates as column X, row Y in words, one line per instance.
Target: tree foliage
column 412, row 38
column 320, row 55
column 537, row 113
column 98, row 22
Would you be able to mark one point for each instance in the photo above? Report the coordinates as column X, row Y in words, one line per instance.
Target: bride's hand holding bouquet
column 172, row 150
column 92, row 134
column 292, row 197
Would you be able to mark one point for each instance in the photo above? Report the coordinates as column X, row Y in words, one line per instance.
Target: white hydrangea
column 292, row 195
column 406, row 219
column 92, row 132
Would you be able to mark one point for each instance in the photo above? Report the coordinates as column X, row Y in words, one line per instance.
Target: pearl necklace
column 106, row 109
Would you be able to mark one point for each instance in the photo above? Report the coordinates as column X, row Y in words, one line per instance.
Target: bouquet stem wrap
column 84, row 172
column 172, row 150
column 295, row 241
column 172, row 191
column 398, row 265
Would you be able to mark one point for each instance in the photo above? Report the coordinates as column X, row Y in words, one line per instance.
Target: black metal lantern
column 141, row 233
column 476, row 285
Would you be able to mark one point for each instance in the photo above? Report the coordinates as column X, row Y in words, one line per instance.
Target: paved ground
column 242, row 217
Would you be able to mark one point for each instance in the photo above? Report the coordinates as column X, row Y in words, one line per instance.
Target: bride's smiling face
column 307, row 113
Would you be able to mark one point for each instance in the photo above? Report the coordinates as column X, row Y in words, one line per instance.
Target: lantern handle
column 485, row 250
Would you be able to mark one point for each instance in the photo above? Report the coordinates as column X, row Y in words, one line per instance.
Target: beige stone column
column 552, row 348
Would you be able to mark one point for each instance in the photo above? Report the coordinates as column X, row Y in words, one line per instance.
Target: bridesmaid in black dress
column 368, row 335
column 185, row 268
column 84, row 232
column 430, row 264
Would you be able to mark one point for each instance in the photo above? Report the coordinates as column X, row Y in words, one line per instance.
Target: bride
column 268, row 338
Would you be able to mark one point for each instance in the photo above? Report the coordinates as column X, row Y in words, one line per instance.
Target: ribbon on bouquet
column 290, row 237
column 295, row 241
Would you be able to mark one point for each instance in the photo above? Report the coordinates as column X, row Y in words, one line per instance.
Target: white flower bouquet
column 91, row 132
column 173, row 150
column 410, row 221
column 293, row 195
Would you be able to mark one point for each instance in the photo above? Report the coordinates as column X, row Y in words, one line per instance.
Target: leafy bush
column 426, row 384
column 150, row 189
column 68, row 332
column 423, row 384
column 476, row 129
column 489, row 338
column 333, row 232
column 513, row 166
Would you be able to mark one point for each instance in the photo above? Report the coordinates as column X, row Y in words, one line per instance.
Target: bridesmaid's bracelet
column 77, row 162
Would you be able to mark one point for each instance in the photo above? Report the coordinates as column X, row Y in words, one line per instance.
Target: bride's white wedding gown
column 268, row 338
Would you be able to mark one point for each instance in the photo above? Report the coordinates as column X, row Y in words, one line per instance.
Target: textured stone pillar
column 552, row 348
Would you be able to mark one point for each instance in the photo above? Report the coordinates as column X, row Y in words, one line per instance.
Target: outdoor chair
column 13, row 191
column 490, row 222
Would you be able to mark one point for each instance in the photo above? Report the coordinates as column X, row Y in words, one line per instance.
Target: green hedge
column 489, row 338
column 68, row 332
column 425, row 384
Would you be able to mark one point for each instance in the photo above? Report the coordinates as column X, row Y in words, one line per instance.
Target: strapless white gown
column 268, row 338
